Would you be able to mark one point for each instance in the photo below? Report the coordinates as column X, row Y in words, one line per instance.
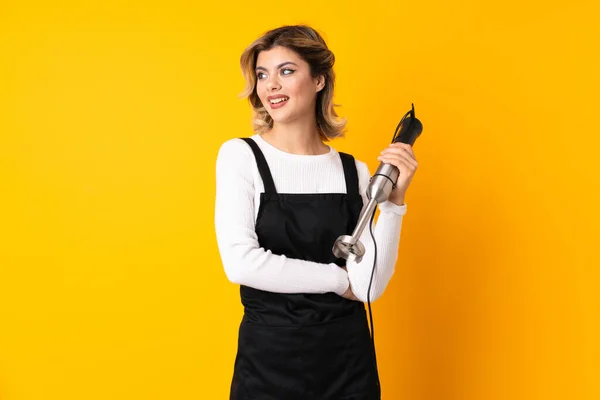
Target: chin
column 281, row 118
column 281, row 121
column 287, row 117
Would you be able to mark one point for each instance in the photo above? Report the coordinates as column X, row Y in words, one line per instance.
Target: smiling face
column 285, row 85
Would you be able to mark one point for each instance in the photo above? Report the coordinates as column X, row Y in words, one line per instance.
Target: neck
column 297, row 138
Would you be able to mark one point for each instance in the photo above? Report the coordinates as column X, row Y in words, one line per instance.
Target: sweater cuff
column 342, row 282
column 388, row 206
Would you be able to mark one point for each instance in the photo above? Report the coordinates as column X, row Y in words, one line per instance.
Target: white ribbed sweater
column 238, row 188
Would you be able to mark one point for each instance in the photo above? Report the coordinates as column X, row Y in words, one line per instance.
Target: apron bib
column 304, row 346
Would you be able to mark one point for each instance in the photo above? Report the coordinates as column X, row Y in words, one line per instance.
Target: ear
column 320, row 81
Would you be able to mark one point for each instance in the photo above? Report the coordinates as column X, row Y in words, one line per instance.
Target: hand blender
column 381, row 185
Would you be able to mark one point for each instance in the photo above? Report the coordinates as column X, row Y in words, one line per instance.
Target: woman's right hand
column 349, row 294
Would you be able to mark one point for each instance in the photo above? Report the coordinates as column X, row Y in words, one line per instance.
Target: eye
column 287, row 71
column 260, row 75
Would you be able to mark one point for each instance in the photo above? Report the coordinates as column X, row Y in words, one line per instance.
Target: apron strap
column 350, row 174
column 263, row 167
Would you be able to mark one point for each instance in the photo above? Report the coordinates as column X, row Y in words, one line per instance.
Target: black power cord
column 369, row 295
column 395, row 138
column 407, row 131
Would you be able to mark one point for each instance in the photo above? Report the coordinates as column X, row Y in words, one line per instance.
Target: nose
column 273, row 84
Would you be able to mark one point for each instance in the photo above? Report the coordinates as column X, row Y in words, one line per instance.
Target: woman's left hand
column 402, row 156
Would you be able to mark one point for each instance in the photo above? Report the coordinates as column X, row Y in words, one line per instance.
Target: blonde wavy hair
column 310, row 46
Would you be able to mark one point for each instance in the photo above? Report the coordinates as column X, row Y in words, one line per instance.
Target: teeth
column 278, row 100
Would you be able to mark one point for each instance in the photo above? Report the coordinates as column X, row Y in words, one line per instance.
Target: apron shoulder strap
column 263, row 167
column 350, row 173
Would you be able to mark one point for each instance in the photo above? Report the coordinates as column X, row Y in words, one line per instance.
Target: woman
column 283, row 197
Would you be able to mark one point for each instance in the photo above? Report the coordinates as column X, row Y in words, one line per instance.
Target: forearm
column 246, row 262
column 387, row 232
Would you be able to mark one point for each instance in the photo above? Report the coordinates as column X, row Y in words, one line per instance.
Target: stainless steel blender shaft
column 380, row 187
column 379, row 190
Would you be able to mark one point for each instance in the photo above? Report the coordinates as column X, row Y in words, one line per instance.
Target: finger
column 400, row 145
column 402, row 164
column 405, row 154
column 402, row 155
column 398, row 162
column 400, row 150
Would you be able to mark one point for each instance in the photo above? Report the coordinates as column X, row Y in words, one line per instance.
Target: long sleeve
column 386, row 230
column 244, row 261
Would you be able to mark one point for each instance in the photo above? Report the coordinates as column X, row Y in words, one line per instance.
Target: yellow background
column 111, row 115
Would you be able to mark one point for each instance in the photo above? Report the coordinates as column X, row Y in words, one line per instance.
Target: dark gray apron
column 304, row 346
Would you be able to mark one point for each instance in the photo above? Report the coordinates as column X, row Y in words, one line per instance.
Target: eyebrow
column 279, row 66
